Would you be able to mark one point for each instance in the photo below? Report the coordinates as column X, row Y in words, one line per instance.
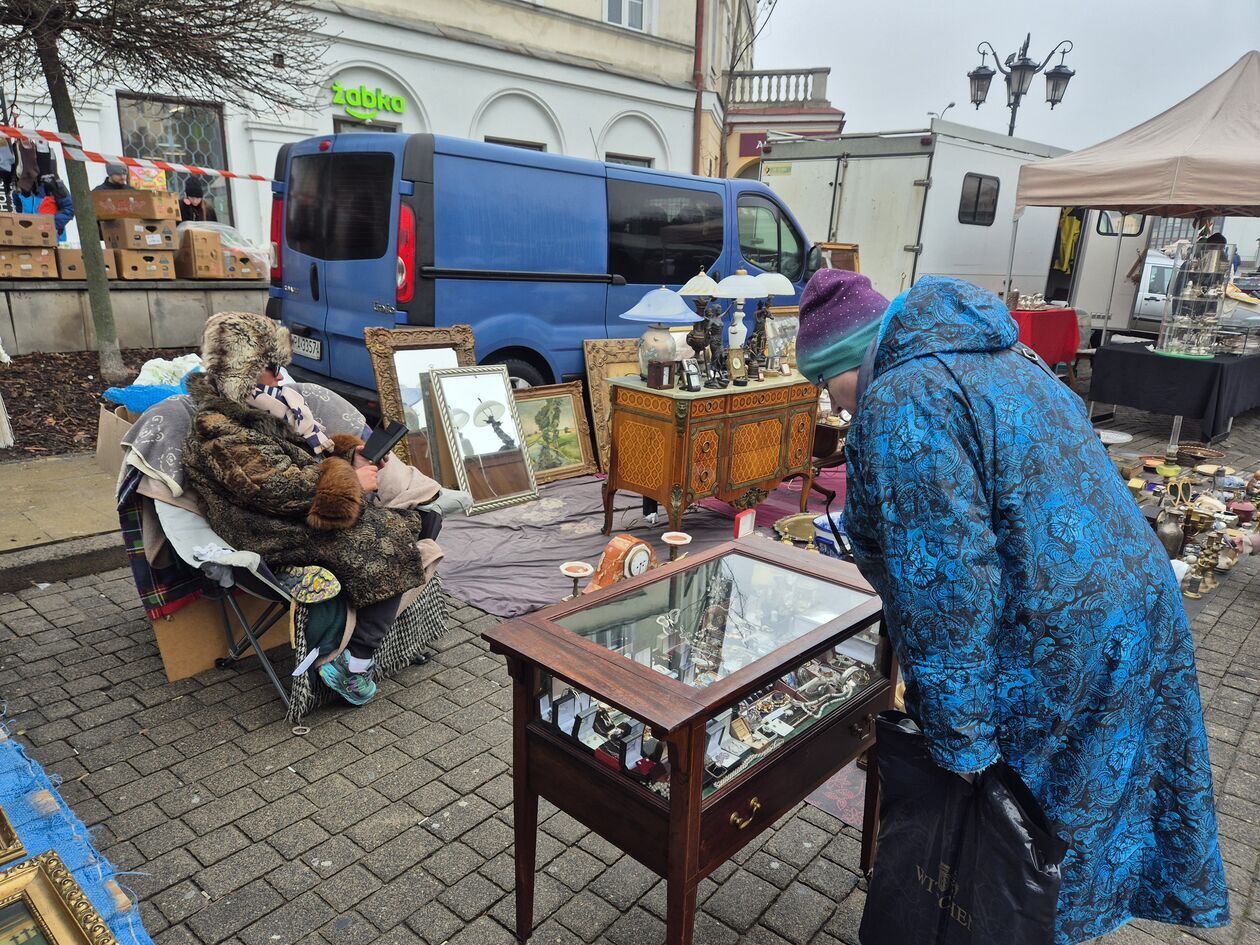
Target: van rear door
column 360, row 247
column 304, row 303
column 662, row 230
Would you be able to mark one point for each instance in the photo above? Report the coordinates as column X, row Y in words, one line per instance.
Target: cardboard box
column 148, row 235
column 191, row 639
column 200, row 255
column 135, row 204
column 239, row 264
column 70, row 263
column 139, row 264
column 22, row 263
column 111, row 427
column 28, row 229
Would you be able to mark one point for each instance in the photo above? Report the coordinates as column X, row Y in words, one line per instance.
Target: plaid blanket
column 162, row 590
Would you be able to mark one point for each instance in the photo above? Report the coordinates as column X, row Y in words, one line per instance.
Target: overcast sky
column 892, row 61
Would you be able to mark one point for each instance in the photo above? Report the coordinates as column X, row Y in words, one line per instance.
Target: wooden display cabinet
column 735, row 444
column 730, row 685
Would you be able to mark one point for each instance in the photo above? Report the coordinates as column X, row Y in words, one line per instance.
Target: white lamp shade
column 662, row 306
column 741, row 286
column 700, row 284
column 776, row 283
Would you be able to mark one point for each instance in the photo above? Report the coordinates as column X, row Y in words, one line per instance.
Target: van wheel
column 522, row 373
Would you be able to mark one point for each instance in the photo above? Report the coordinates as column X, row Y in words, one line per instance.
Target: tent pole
column 1111, row 294
column 1010, row 268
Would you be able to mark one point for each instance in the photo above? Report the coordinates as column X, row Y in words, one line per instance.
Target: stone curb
column 61, row 560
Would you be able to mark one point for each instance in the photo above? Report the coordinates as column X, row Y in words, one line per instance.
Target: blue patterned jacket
column 1035, row 616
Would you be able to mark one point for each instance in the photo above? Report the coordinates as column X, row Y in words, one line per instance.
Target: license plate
column 307, row 347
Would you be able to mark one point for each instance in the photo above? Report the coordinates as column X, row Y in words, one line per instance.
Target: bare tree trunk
column 112, row 368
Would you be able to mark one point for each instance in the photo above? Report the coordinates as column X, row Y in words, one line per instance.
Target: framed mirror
column 482, row 432
column 402, row 359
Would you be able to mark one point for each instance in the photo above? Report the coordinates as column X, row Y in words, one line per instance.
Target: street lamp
column 1019, row 71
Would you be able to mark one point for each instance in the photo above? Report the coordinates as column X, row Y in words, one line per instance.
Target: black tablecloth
column 1214, row 390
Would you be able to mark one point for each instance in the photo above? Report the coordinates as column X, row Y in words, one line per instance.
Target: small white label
column 25, row 266
column 154, row 239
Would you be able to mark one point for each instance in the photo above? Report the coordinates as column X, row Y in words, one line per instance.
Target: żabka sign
column 364, row 103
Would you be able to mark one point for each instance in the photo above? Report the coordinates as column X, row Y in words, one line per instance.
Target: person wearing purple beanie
column 1036, row 619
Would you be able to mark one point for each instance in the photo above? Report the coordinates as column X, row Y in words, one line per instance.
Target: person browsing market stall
column 116, row 178
column 194, row 206
column 272, row 481
column 1035, row 616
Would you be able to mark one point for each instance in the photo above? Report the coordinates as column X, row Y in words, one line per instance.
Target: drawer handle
column 706, row 446
column 862, row 727
column 741, row 822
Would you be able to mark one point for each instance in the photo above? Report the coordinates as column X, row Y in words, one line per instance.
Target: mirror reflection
column 483, row 433
column 412, row 367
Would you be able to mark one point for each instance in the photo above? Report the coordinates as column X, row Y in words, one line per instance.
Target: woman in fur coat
column 271, row 481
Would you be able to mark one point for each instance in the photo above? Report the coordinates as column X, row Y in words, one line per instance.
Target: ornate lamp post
column 1019, row 71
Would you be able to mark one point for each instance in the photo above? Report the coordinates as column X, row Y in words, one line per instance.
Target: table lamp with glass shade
column 707, row 331
column 660, row 308
column 739, row 286
column 775, row 283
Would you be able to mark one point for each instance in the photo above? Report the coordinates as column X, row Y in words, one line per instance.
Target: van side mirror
column 813, row 262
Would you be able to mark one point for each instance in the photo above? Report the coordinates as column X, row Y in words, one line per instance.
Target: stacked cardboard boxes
column 200, row 254
column 27, row 246
column 139, row 227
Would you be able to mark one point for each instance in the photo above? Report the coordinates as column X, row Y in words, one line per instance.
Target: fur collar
column 217, row 416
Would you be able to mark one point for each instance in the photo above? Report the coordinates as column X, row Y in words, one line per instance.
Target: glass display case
column 1192, row 312
column 679, row 713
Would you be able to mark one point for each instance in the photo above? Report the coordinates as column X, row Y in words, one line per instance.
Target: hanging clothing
column 1069, row 236
column 1034, row 614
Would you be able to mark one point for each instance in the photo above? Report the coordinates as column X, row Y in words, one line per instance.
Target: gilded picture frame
column 571, row 454
column 10, row 844
column 607, row 358
column 500, row 475
column 41, row 895
column 384, row 345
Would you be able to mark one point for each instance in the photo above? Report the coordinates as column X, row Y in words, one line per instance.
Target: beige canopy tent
column 1202, row 156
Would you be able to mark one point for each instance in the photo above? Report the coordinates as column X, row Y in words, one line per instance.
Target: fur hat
column 236, row 346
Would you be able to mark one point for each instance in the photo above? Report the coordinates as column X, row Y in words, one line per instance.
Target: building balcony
column 759, row 89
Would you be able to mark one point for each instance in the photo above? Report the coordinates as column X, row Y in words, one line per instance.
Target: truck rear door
column 303, row 301
column 880, row 208
column 360, row 247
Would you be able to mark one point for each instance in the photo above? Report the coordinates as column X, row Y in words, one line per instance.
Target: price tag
column 154, row 239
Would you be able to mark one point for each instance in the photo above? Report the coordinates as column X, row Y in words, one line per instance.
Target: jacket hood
column 939, row 315
column 236, row 346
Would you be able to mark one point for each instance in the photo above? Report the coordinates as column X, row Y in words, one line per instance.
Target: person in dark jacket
column 115, row 178
column 1035, row 616
column 194, row 206
column 45, row 194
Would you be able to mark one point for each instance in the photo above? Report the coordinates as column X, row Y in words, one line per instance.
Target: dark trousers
column 371, row 625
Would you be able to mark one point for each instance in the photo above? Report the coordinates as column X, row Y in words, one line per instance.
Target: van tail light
column 277, row 237
column 406, row 253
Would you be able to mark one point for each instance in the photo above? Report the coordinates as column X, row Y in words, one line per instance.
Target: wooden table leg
column 686, row 785
column 870, row 813
column 524, row 802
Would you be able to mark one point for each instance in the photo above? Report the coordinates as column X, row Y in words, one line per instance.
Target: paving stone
column 214, row 846
column 434, row 923
column 471, row 896
column 400, row 854
column 349, row 929
column 741, row 900
column 239, row 869
column 394, row 902
column 635, row 928
column 587, row 915
column 624, row 883
column 220, row 920
column 575, row 868
column 799, row 913
column 349, row 887
column 291, row 922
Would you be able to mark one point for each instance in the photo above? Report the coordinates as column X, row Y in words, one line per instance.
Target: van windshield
column 338, row 206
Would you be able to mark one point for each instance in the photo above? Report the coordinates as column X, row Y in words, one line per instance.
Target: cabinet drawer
column 800, row 439
column 704, row 451
column 734, row 817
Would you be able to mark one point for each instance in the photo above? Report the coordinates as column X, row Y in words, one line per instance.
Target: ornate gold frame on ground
column 10, row 844
column 607, row 358
column 383, row 345
column 41, row 896
column 491, row 465
column 570, row 454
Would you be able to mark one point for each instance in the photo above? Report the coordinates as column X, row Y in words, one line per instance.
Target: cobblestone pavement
column 392, row 823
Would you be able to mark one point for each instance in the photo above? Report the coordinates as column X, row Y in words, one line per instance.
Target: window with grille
column 627, row 13
column 978, row 204
column 182, row 132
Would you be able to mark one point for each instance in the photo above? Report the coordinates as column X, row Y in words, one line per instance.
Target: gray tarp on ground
column 1200, row 156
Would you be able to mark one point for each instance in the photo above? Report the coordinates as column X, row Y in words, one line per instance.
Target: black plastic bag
column 962, row 859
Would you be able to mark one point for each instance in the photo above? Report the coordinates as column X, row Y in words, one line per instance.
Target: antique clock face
column 638, row 560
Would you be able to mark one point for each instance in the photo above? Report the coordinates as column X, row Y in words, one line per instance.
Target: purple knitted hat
column 840, row 316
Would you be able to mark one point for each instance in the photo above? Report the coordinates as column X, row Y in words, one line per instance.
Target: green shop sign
column 364, row 103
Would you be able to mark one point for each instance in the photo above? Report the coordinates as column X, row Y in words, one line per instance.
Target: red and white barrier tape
column 54, row 137
column 78, row 154
column 73, row 147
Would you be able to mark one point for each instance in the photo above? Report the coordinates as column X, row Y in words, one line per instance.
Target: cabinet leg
column 525, row 818
column 870, row 814
column 680, row 912
column 610, row 494
column 807, row 485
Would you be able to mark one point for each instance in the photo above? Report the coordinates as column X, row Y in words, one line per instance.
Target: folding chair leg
column 253, row 633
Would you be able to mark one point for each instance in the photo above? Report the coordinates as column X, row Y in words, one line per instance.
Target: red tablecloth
column 1051, row 332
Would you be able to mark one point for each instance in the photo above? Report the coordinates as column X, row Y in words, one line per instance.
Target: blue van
column 535, row 251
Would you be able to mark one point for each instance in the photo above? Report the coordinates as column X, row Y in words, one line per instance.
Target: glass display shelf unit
column 1192, row 312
